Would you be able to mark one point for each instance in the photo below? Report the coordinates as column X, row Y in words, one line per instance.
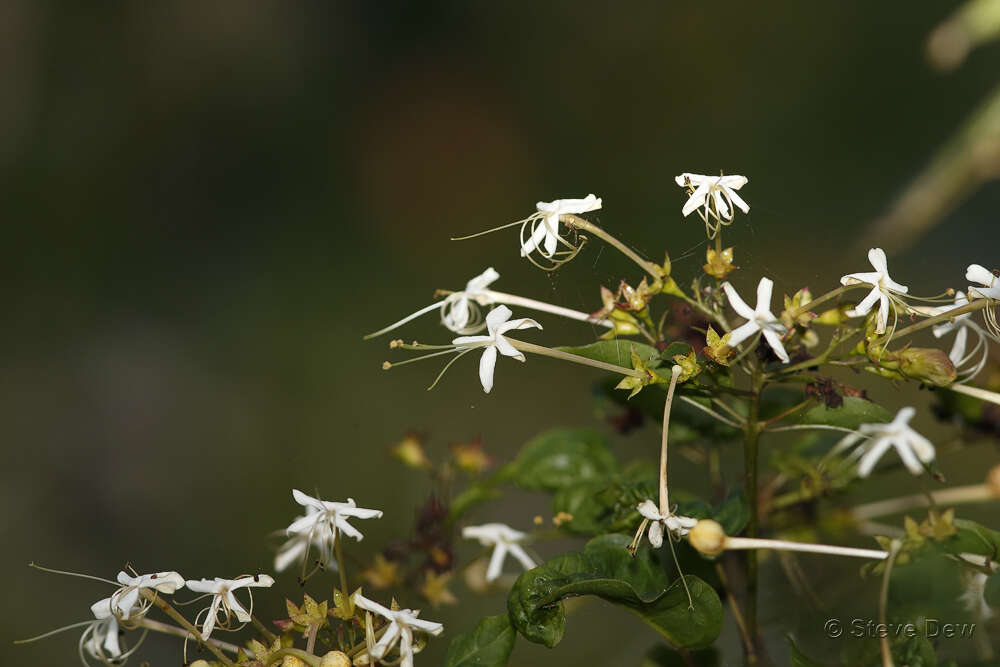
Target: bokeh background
column 206, row 205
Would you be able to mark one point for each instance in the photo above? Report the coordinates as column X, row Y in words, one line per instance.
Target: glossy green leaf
column 607, row 570
column 733, row 512
column 853, row 413
column 561, row 458
column 617, row 352
column 488, row 645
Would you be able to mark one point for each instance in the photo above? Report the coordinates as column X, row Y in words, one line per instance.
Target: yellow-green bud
column 199, row 663
column 834, row 316
column 927, row 364
column 708, row 537
column 335, row 659
column 292, row 661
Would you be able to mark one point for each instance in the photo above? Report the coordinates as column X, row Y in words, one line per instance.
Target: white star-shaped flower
column 498, row 322
column 962, row 325
column 127, row 599
column 757, row 319
column 884, row 288
column 100, row 639
column 333, row 514
column 674, row 523
column 988, row 284
column 402, row 623
column 504, row 540
column 718, row 189
column 912, row 447
column 224, row 602
column 544, row 235
column 296, row 548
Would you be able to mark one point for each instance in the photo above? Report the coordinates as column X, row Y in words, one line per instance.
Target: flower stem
column 574, row 222
column 339, row 551
column 975, row 392
column 664, row 498
column 167, row 609
column 575, row 358
column 262, row 629
column 752, row 431
column 784, row 545
column 514, row 300
column 946, row 316
column 167, row 629
column 972, row 493
column 883, row 603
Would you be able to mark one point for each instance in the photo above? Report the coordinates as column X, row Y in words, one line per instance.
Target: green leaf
column 617, row 352
column 664, row 656
column 488, row 645
column 971, row 537
column 852, row 414
column 674, row 349
column 797, row 657
column 991, row 591
column 561, row 458
column 733, row 512
column 607, row 570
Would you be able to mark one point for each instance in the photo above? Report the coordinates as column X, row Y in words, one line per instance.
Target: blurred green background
column 208, row 204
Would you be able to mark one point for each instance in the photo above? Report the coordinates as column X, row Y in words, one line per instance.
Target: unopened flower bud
column 927, row 364
column 292, row 661
column 411, row 452
column 993, row 480
column 199, row 663
column 335, row 659
column 834, row 316
column 708, row 537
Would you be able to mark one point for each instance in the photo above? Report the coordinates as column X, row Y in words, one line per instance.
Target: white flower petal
column 487, row 364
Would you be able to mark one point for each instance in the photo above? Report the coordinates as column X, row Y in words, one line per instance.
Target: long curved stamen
column 45, row 635
column 387, row 365
column 403, row 321
column 72, row 574
column 490, row 231
column 448, row 365
column 975, row 392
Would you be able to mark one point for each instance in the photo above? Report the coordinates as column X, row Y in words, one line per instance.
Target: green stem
column 753, row 429
column 279, row 655
column 574, row 222
column 339, row 550
column 946, row 316
column 167, row 609
column 575, row 358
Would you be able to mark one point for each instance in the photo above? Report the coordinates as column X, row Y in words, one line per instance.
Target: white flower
column 498, row 322
column 128, row 598
column 457, row 311
column 884, row 288
column 544, row 235
column 912, row 447
column 973, row 598
column 224, row 601
column 720, row 189
column 504, row 540
column 101, row 641
column 327, row 518
column 676, row 524
column 988, row 284
column 297, row 546
column 758, row 319
column 962, row 324
column 402, row 623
